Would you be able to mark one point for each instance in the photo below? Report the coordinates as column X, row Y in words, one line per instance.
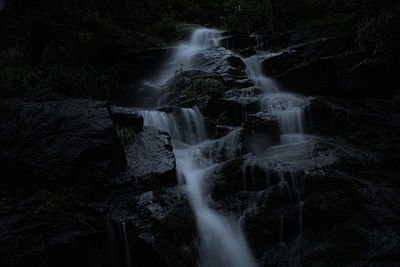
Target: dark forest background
column 72, row 48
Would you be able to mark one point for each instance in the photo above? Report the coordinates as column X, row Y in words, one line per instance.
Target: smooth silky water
column 221, row 239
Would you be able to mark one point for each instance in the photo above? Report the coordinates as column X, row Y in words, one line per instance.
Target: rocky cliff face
column 67, row 180
column 85, row 183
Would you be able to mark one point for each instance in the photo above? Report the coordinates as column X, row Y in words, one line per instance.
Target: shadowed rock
column 56, row 143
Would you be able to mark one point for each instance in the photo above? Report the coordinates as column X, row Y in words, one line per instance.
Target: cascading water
column 254, row 71
column 186, row 124
column 183, row 57
column 221, row 240
column 287, row 108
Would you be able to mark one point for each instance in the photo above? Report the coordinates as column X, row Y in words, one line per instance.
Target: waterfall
column 184, row 54
column 186, row 125
column 254, row 71
column 287, row 108
column 126, row 245
column 161, row 120
column 119, row 252
column 221, row 239
column 194, row 124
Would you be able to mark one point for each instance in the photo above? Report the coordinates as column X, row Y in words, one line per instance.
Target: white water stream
column 221, row 239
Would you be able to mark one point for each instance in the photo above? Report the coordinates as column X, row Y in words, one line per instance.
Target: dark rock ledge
column 66, row 187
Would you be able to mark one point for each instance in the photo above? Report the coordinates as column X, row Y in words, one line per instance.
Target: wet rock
column 274, row 191
column 150, row 159
column 259, row 133
column 191, row 85
column 124, row 117
column 223, row 111
column 57, row 143
column 280, row 62
column 237, row 63
column 161, row 220
column 214, row 130
column 217, row 60
column 124, row 237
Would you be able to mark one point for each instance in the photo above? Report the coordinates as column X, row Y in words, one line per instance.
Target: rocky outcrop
column 187, row 87
column 150, row 159
column 57, row 143
column 76, row 192
column 159, row 224
column 312, row 207
column 57, row 157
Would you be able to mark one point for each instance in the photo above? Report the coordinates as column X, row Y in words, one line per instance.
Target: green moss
column 126, row 134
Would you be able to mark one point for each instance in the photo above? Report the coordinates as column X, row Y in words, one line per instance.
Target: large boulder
column 309, row 203
column 57, row 143
column 58, row 157
column 188, row 86
column 78, row 198
column 150, row 159
column 159, row 225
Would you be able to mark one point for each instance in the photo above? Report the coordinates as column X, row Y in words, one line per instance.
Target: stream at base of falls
column 222, row 241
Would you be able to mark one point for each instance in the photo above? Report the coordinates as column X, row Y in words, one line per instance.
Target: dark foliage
column 72, row 48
